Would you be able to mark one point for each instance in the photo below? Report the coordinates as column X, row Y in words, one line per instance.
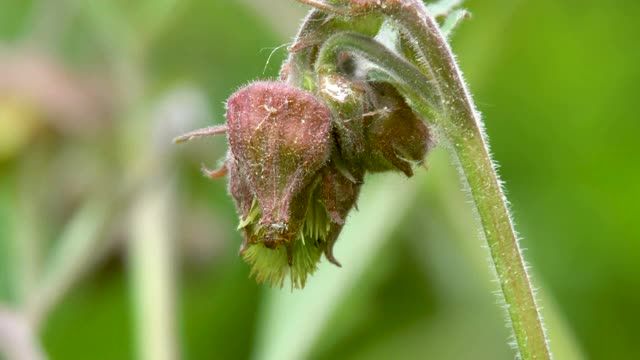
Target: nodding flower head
column 280, row 139
column 296, row 164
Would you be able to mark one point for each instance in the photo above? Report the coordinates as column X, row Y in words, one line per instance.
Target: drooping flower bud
column 296, row 165
column 279, row 138
column 394, row 135
column 338, row 193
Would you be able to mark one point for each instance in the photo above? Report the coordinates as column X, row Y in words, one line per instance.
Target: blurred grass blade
column 452, row 21
column 290, row 322
column 78, row 247
column 20, row 232
column 456, row 218
column 27, row 243
column 564, row 344
column 8, row 266
column 151, row 265
column 17, row 339
column 442, row 7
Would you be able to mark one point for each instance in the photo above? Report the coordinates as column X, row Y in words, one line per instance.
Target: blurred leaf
column 453, row 20
column 8, row 276
column 78, row 247
column 12, row 16
column 442, row 7
column 93, row 320
column 218, row 310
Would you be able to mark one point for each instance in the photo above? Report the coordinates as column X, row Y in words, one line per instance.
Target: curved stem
column 468, row 141
column 297, row 65
column 317, row 27
column 461, row 126
column 420, row 88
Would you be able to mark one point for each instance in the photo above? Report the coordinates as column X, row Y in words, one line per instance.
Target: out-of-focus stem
column 17, row 340
column 152, row 274
column 76, row 250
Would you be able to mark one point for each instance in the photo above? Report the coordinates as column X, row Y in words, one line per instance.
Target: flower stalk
column 435, row 88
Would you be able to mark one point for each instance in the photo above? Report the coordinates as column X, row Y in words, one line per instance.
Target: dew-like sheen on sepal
column 347, row 102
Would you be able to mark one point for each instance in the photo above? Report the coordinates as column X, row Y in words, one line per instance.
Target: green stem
column 436, row 90
column 315, row 30
column 465, row 134
column 418, row 87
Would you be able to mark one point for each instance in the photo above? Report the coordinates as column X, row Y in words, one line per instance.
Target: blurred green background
column 113, row 246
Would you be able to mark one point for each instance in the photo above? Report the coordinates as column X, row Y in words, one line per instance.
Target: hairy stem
column 453, row 113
